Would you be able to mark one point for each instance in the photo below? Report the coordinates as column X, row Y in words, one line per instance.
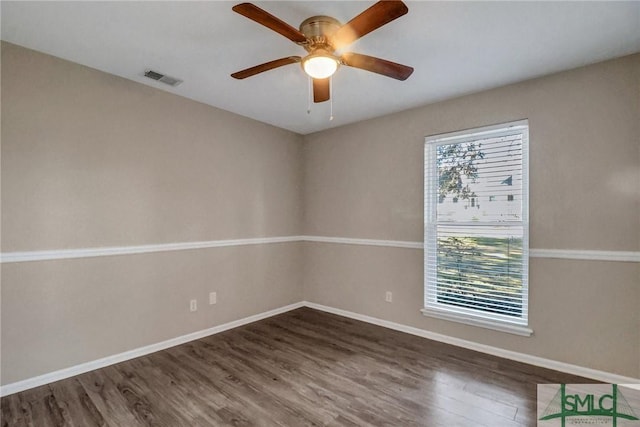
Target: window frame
column 470, row 316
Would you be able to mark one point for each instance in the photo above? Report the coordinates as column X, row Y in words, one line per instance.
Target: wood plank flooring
column 301, row 368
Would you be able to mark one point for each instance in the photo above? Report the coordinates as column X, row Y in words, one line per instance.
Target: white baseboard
column 132, row 354
column 142, row 351
column 495, row 351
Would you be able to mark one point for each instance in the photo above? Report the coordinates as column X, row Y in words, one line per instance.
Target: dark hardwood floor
column 300, row 368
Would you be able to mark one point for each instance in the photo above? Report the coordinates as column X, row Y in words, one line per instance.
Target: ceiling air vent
column 171, row 81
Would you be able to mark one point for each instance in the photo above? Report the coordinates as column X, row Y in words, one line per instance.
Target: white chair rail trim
column 9, row 257
column 54, row 254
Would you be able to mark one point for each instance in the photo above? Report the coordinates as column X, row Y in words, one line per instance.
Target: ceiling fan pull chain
column 331, row 98
column 309, row 97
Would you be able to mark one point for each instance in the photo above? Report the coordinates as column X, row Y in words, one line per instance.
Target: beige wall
column 366, row 180
column 93, row 160
column 90, row 159
column 57, row 314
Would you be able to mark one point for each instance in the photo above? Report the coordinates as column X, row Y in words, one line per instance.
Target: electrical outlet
column 213, row 298
column 193, row 305
column 388, row 297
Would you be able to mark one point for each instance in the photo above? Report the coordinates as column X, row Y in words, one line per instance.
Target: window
column 476, row 260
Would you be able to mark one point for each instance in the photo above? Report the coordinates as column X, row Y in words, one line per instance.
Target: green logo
column 605, row 405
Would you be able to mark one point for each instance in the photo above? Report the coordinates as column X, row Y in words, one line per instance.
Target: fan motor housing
column 317, row 29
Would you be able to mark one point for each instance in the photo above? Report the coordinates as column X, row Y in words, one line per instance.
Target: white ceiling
column 455, row 48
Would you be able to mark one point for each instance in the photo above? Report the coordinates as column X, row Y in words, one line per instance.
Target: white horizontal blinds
column 476, row 224
column 493, row 192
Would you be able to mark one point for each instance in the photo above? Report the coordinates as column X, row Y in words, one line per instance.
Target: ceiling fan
column 321, row 37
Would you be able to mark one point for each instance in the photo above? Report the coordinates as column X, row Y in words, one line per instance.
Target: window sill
column 483, row 323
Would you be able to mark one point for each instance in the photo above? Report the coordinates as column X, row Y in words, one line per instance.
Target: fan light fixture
column 325, row 38
column 320, row 65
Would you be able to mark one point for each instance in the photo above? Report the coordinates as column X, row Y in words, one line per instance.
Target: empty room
column 297, row 213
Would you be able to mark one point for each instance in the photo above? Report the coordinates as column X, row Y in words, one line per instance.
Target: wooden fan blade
column 265, row 67
column 263, row 17
column 321, row 90
column 377, row 65
column 373, row 18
